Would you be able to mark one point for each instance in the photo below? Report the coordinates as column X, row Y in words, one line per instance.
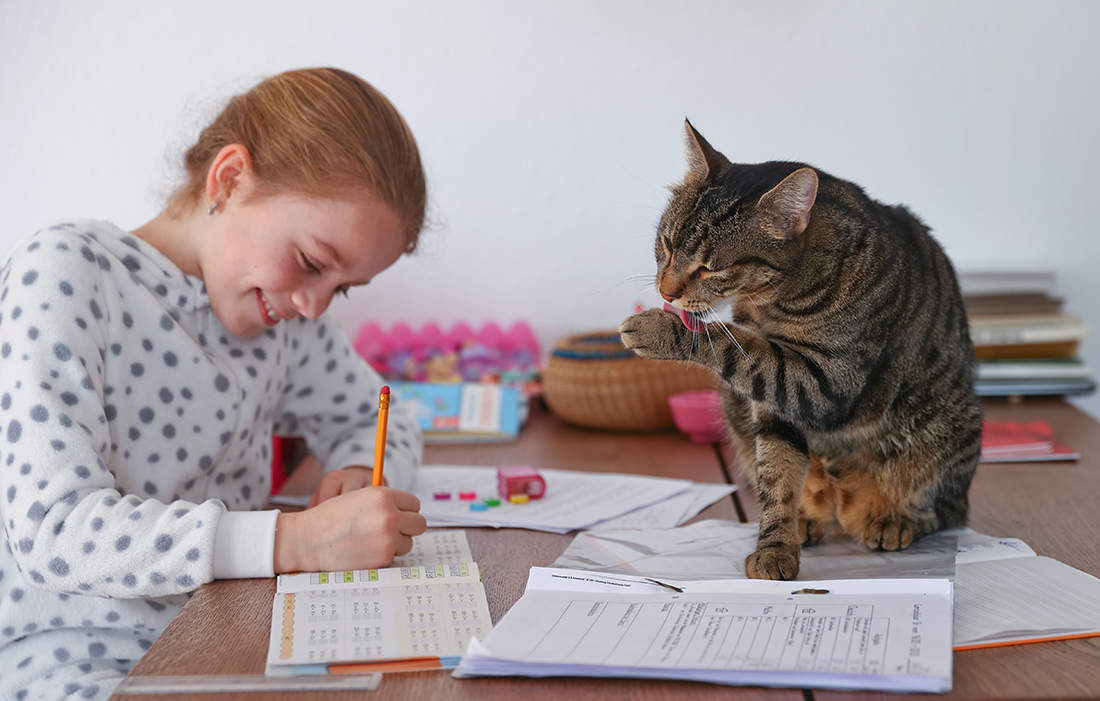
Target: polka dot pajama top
column 135, row 448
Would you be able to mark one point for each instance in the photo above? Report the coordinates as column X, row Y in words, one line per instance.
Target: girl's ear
column 785, row 209
column 230, row 172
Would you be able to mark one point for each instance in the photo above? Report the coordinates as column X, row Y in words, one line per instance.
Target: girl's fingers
column 405, row 501
column 329, row 487
column 411, row 523
column 404, row 545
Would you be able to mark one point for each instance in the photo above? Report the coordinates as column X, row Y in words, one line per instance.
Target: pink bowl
column 699, row 414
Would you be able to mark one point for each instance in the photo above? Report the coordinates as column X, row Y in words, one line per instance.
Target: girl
column 142, row 375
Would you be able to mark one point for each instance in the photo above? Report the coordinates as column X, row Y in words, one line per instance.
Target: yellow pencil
column 380, row 440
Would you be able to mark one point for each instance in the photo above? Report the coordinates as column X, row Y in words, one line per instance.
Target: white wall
column 551, row 129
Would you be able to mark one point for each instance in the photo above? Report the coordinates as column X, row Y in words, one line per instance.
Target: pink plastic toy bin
column 699, row 414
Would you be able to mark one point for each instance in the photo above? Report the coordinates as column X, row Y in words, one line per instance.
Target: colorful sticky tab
column 467, row 496
column 492, row 502
column 478, row 506
column 442, row 496
column 519, row 498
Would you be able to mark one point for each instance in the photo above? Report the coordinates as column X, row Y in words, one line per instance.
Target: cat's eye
column 667, row 245
column 701, row 271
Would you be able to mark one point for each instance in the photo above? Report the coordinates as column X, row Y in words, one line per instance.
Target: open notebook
column 1008, row 595
column 419, row 613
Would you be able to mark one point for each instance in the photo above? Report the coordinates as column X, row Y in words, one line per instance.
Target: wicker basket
column 592, row 380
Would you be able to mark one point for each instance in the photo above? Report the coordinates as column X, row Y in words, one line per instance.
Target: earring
column 214, row 208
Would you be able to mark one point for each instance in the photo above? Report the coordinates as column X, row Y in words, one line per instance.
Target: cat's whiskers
column 716, row 363
column 717, row 319
column 752, row 300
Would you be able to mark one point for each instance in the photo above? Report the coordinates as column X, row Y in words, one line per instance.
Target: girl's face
column 276, row 257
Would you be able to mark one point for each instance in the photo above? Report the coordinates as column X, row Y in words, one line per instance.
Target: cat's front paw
column 653, row 334
column 773, row 563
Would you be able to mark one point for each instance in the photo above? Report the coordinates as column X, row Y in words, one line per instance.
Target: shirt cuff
column 244, row 545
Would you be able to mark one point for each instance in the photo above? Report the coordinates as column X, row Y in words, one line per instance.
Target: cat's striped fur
column 848, row 363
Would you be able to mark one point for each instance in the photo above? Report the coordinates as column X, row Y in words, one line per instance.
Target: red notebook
column 1022, row 441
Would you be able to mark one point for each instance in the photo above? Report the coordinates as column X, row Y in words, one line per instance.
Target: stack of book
column 1024, row 342
column 464, row 412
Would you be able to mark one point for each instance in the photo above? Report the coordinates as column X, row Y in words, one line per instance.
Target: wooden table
column 224, row 628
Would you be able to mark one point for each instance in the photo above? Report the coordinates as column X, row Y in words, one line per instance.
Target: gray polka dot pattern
column 130, row 420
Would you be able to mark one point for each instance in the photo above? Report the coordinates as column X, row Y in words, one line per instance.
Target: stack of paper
column 892, row 635
column 1004, row 593
column 717, row 549
column 574, row 500
column 418, row 614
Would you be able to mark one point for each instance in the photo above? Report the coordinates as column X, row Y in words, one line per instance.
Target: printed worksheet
column 574, row 500
column 885, row 634
column 429, row 604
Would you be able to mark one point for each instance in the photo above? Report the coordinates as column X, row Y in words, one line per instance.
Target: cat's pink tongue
column 689, row 320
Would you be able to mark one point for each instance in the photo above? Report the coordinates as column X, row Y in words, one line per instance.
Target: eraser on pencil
column 467, row 496
column 442, row 495
column 519, row 498
column 385, row 389
column 478, row 506
column 689, row 319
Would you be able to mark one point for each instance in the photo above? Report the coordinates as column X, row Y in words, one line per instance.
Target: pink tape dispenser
column 520, row 479
column 689, row 319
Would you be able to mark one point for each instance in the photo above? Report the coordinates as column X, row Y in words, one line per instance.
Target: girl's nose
column 308, row 304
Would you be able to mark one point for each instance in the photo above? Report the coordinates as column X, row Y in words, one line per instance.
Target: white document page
column 889, row 634
column 574, row 500
column 670, row 512
column 715, row 549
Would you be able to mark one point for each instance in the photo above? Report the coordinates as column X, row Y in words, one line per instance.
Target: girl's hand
column 359, row 529
column 341, row 481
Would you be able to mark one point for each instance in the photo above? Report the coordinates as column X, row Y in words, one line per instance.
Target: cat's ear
column 785, row 209
column 703, row 159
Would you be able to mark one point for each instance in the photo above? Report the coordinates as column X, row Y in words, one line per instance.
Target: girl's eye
column 308, row 265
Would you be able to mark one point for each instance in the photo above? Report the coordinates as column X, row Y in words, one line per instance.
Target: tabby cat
column 847, row 369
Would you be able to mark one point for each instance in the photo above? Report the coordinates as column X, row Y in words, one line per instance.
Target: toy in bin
column 520, row 480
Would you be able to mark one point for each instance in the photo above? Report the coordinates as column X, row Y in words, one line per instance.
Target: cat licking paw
column 655, row 334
